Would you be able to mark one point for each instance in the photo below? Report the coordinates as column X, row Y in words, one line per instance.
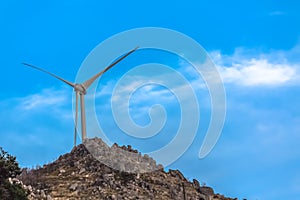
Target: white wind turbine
column 80, row 90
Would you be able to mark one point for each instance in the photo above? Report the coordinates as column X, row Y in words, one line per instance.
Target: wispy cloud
column 58, row 101
column 45, row 98
column 276, row 13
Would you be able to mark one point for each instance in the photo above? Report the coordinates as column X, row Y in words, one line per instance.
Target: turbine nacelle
column 80, row 88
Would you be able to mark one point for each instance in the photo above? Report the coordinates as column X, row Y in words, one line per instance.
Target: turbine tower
column 80, row 90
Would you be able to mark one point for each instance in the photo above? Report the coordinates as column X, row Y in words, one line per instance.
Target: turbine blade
column 89, row 82
column 40, row 69
column 76, row 118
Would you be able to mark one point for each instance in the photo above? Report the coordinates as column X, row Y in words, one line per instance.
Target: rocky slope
column 79, row 175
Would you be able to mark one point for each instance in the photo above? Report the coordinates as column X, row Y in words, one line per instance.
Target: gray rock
column 206, row 190
column 43, row 195
column 82, row 170
column 196, row 185
column 49, row 197
column 73, row 187
column 29, row 187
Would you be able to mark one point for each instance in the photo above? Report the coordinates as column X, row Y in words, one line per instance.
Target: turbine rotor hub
column 80, row 88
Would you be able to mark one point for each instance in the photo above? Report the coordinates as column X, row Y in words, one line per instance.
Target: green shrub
column 9, row 168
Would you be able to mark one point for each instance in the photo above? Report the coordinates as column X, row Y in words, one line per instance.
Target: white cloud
column 258, row 72
column 46, row 98
column 247, row 69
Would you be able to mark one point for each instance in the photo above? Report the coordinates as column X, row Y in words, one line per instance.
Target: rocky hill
column 80, row 175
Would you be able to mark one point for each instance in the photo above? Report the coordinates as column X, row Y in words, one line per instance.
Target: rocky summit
column 81, row 174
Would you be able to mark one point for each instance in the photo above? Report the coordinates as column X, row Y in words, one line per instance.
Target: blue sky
column 254, row 44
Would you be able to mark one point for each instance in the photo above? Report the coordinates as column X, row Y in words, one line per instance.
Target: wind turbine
column 80, row 90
